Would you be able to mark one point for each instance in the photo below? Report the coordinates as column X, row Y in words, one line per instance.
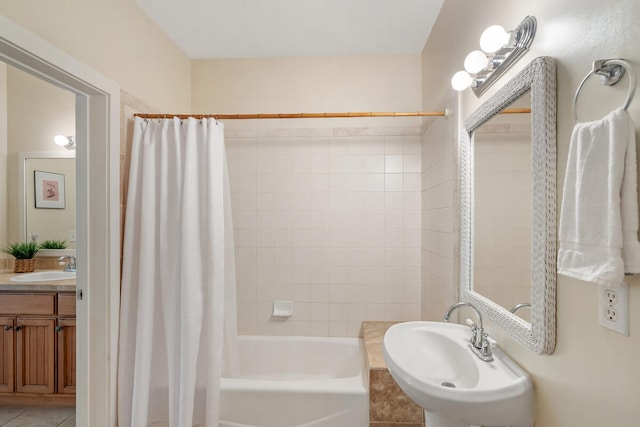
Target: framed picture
column 49, row 190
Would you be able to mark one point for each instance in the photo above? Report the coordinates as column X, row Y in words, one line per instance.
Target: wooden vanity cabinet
column 35, row 355
column 7, row 350
column 66, row 331
column 37, row 343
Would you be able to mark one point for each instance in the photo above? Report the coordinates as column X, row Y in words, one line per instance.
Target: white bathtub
column 297, row 381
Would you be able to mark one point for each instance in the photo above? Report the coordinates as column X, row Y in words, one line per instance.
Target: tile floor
column 37, row 416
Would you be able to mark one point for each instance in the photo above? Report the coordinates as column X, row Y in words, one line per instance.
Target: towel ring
column 611, row 71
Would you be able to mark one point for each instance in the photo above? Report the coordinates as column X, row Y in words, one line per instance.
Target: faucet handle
column 485, row 349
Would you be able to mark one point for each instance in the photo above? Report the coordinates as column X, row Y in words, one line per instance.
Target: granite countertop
column 53, row 286
column 372, row 335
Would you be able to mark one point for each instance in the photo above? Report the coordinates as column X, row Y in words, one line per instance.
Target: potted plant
column 55, row 248
column 24, row 254
column 53, row 244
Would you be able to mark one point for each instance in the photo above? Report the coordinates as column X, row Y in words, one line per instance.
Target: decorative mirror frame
column 539, row 335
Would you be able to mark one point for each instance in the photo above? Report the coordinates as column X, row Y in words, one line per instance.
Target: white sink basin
column 432, row 363
column 44, row 276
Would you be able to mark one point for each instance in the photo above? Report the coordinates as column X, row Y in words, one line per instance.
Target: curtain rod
column 445, row 113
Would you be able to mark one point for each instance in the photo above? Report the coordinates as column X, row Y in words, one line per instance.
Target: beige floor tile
column 38, row 417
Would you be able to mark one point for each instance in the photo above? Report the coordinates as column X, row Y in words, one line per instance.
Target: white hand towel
column 599, row 217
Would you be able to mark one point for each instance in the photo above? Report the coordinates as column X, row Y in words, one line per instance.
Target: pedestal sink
column 433, row 364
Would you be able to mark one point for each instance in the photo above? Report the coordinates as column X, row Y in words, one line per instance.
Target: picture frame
column 49, row 190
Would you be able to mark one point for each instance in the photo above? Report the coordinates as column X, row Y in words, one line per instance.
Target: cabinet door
column 66, row 356
column 6, row 354
column 35, row 355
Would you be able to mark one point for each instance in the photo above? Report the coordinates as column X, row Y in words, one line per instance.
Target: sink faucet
column 479, row 341
column 68, row 261
column 519, row 306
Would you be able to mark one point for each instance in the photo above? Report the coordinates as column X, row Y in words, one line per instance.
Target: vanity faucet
column 519, row 306
column 479, row 341
column 68, row 261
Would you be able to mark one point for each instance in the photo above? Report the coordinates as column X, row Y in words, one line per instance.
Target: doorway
column 97, row 101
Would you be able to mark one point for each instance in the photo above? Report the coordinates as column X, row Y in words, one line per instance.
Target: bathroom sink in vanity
column 44, row 276
column 39, row 306
column 433, row 364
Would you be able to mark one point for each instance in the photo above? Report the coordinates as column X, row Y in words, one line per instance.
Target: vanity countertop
column 54, row 286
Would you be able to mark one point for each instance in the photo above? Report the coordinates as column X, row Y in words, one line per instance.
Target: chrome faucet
column 519, row 306
column 479, row 341
column 68, row 261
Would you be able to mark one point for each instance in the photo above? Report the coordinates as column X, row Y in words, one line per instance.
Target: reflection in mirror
column 508, row 210
column 502, row 207
column 38, row 223
column 35, row 111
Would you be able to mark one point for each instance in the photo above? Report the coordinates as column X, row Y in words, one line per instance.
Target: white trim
column 98, row 228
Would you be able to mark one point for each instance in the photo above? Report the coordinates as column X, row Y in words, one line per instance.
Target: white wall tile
column 330, row 222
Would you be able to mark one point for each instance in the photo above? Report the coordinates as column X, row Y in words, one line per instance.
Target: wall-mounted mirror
column 33, row 112
column 508, row 207
column 42, row 217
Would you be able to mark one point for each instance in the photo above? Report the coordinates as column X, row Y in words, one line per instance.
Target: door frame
column 98, row 213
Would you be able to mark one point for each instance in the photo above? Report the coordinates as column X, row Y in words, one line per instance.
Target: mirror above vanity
column 40, row 219
column 508, row 207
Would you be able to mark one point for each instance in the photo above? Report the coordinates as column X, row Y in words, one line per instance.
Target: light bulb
column 476, row 61
column 461, row 80
column 61, row 140
column 493, row 38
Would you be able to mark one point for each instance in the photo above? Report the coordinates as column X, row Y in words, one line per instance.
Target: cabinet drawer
column 67, row 305
column 27, row 304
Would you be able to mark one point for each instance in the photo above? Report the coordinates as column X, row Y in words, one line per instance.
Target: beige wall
column 116, row 39
column 592, row 378
column 313, row 84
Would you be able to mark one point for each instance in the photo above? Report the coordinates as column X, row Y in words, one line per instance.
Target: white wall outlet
column 611, row 296
column 614, row 308
column 611, row 314
column 72, row 235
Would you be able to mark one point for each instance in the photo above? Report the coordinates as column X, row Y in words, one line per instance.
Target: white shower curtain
column 178, row 278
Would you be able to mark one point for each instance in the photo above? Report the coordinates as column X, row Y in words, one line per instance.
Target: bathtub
column 296, row 381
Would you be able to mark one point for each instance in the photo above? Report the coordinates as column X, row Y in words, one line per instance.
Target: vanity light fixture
column 500, row 50
column 65, row 141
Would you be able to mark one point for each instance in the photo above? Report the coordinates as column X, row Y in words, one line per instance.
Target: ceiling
column 285, row 28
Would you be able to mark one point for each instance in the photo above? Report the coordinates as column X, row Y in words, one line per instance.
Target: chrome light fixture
column 500, row 50
column 65, row 141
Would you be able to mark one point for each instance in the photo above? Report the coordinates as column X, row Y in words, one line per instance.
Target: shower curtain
column 178, row 276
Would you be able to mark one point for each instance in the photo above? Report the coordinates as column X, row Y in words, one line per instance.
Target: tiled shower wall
column 439, row 218
column 329, row 219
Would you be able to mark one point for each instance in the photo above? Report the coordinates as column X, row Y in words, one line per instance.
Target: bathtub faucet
column 68, row 261
column 479, row 341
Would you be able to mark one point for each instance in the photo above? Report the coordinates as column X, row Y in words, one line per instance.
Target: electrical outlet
column 72, row 235
column 614, row 308
column 611, row 314
column 611, row 296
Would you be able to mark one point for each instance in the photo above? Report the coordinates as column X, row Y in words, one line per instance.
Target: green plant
column 22, row 250
column 53, row 244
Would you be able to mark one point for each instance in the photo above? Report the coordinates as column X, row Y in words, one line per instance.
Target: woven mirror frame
column 540, row 78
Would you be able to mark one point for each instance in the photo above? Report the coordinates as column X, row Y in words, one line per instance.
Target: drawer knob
column 8, row 327
column 17, row 328
column 59, row 328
